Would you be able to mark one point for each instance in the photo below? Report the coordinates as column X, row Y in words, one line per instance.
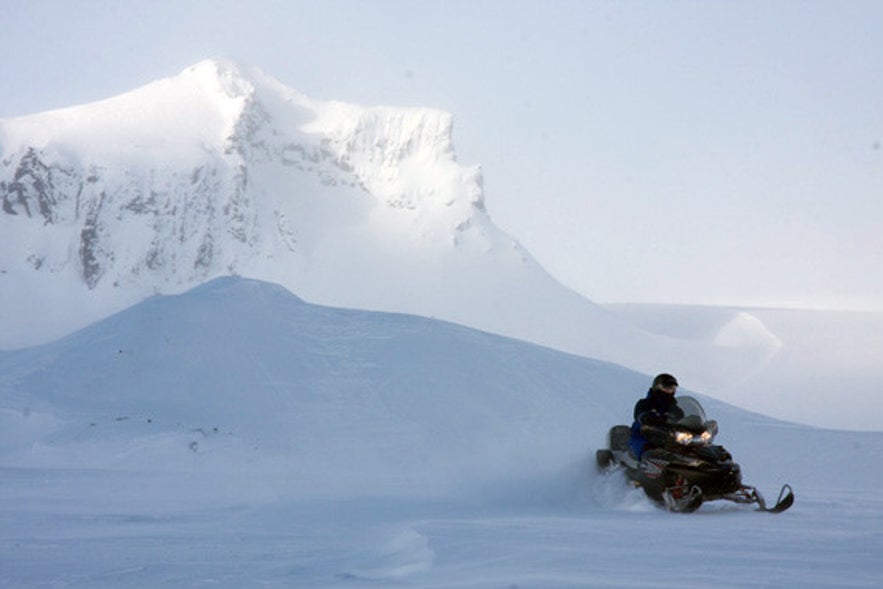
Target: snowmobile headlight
column 690, row 439
column 683, row 438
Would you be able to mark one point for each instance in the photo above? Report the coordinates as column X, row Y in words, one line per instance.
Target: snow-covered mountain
column 223, row 170
column 259, row 377
column 235, row 436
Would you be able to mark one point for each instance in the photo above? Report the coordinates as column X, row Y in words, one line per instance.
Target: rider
column 654, row 409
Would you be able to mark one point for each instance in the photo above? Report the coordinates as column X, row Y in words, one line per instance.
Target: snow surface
column 237, row 436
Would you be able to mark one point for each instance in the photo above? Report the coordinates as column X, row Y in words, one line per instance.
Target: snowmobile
column 684, row 468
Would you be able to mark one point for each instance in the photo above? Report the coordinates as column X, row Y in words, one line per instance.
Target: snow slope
column 236, row 436
column 259, row 372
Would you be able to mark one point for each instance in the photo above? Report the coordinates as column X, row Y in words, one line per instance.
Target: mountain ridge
column 54, row 172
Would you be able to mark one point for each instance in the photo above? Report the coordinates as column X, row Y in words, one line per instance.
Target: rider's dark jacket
column 653, row 409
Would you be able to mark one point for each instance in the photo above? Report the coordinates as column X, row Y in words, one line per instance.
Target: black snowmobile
column 684, row 468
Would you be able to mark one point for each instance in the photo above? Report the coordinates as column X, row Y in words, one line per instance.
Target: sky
column 678, row 152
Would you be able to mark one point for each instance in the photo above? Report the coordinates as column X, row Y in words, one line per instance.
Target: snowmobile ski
column 785, row 500
column 750, row 495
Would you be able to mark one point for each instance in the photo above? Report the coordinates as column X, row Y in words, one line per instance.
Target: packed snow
column 237, row 436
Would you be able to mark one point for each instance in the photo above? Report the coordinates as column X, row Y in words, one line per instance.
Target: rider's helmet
column 664, row 381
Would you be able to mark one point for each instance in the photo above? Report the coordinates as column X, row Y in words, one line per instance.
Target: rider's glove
column 652, row 417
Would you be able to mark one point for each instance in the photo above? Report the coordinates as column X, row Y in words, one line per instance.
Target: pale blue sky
column 683, row 152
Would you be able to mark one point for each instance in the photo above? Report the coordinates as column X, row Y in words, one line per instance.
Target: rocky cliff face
column 133, row 214
column 223, row 170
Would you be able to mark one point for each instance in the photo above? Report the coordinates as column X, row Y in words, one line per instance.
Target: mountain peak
column 165, row 121
column 225, row 77
column 221, row 170
column 221, row 67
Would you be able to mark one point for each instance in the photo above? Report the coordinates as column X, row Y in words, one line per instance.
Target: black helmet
column 665, row 380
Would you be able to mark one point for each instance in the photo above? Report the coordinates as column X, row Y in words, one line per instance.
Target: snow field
column 235, row 436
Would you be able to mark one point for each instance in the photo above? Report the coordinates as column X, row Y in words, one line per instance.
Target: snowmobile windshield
column 693, row 414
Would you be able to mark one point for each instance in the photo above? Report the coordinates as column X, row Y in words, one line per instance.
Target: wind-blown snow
column 237, row 436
